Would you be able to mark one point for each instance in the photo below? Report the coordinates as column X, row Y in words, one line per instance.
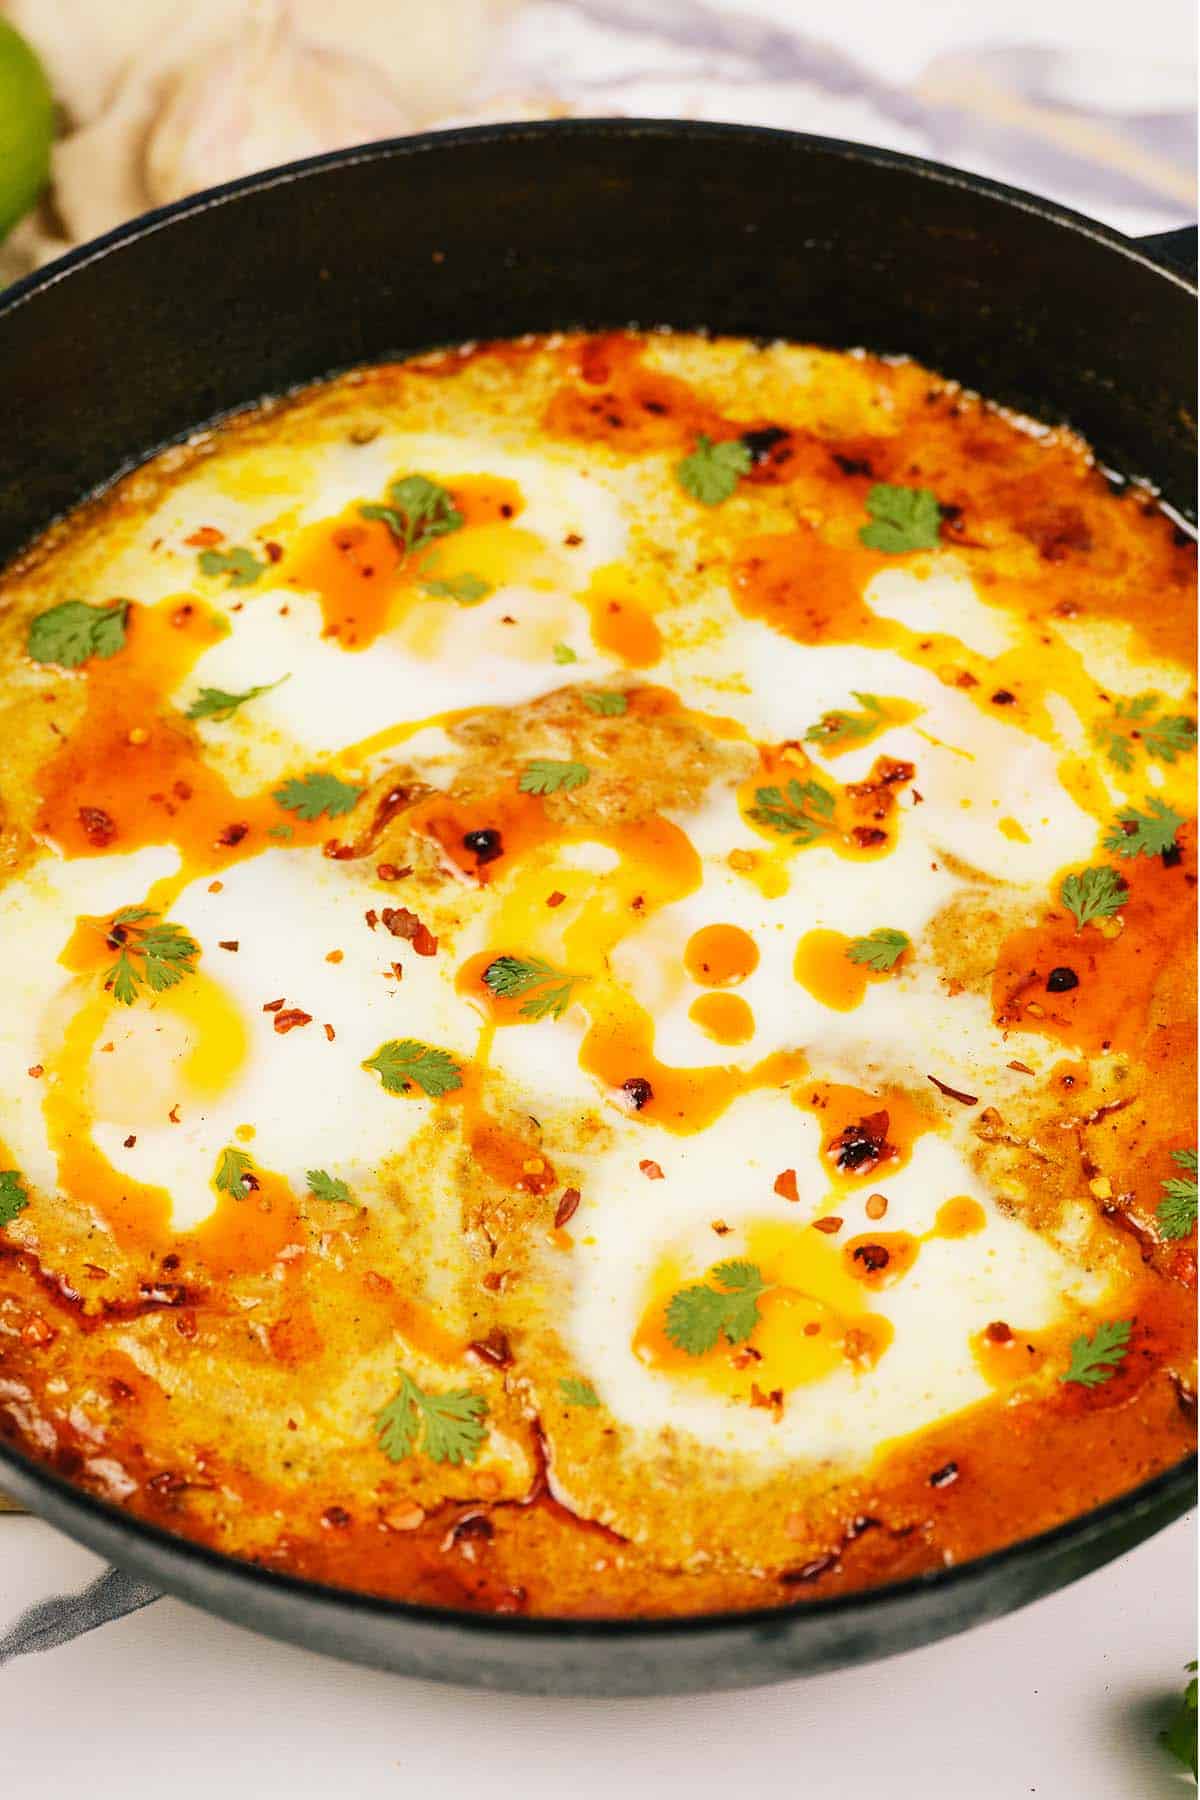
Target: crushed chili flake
column 639, row 1090
column 998, row 1332
column 274, row 551
column 335, row 956
column 330, row 1033
column 204, row 536
column 862, row 1146
column 650, row 1169
column 390, row 872
column 405, row 924
column 216, row 887
column 372, row 917
column 336, row 1518
column 954, row 1093
column 873, row 1257
column 772, row 1402
column 289, row 1020
column 1021, row 1068
column 227, row 943
column 721, row 1228
column 99, row 828
column 36, row 1070
column 173, row 1115
column 785, row 1185
column 494, row 1349
column 130, row 1141
column 273, row 1005
column 231, row 835
column 568, row 1206
column 829, row 1224
column 556, row 898
column 876, row 1206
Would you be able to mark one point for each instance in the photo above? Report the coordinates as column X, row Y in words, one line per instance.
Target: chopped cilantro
column 902, row 519
column 841, row 727
column 1149, row 833
column 563, row 653
column 606, row 703
column 1180, row 1736
column 545, row 776
column 402, row 1061
column 450, row 1425
column 326, row 1187
column 1165, row 738
column 70, row 633
column 1095, row 1360
column 881, row 950
column 697, row 1316
column 13, row 1197
column 316, row 793
column 1176, row 1213
column 420, row 511
column 1095, row 894
column 510, row 976
column 802, row 814
column 241, row 566
column 158, row 955
column 712, row 471
column 215, row 703
column 234, row 1173
column 466, row 589
column 577, row 1393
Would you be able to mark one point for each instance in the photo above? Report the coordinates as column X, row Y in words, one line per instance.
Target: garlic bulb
column 265, row 97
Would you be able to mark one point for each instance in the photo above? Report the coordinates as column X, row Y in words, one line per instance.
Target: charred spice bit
column 130, row 1141
column 1021, row 1068
column 330, row 1033
column 568, row 1206
column 650, row 1169
column 954, row 1093
column 829, row 1224
column 1002, row 697
column 227, row 943
column 639, row 1090
column 336, row 1518
column 485, row 845
column 390, row 872
column 173, row 1115
column 721, row 1228
column 945, row 1476
column 1061, row 981
column 99, row 828
column 405, row 924
column 372, row 917
column 760, row 443
column 998, row 1332
column 809, row 1571
column 859, row 1148
column 36, row 1070
column 785, row 1185
column 232, row 834
column 273, row 1005
column 873, row 1257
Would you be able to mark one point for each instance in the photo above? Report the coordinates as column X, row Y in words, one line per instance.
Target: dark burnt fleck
column 945, row 1476
column 864, row 1144
column 852, row 465
column 868, row 837
column 1061, row 981
column 99, row 828
column 809, row 1571
column 873, row 1257
column 474, row 1526
column 761, row 443
column 567, row 1207
column 1002, row 697
column 336, row 1518
column 639, row 1090
column 485, row 845
column 1172, row 856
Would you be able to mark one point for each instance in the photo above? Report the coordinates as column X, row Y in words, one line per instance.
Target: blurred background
column 108, row 107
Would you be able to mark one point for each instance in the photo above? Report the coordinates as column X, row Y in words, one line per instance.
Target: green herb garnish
column 842, row 727
column 1149, row 833
column 159, row 955
column 466, row 589
column 316, row 793
column 902, row 519
column 881, row 950
column 1095, row 1360
column 803, row 813
column 401, row 1062
column 545, row 776
column 1165, row 739
column 234, row 1173
column 74, row 631
column 1176, row 1212
column 510, row 976
column 242, row 568
column 13, row 1197
column 420, row 511
column 326, row 1187
column 577, row 1393
column 712, row 471
column 1095, row 894
column 450, row 1425
column 1180, row 1736
column 215, row 703
column 697, row 1316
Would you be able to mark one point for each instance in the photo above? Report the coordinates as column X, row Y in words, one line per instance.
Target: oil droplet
column 720, row 956
column 725, row 1018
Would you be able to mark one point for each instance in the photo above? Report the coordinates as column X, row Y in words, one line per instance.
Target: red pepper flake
column 868, row 837
column 99, row 828
column 273, row 1005
column 335, row 956
column 863, row 1145
column 389, row 871
column 650, row 1169
column 573, row 540
column 330, row 1033
column 568, row 1206
column 289, row 1020
column 216, row 887
column 336, row 1518
column 829, row 1224
column 998, row 1332
column 36, row 1070
column 721, row 1228
column 1021, row 1068
column 173, row 1115
column 130, row 1141
column 231, row 835
column 785, row 1185
column 372, row 917
column 274, row 551
column 772, row 1402
column 639, row 1090
column 204, row 536
column 873, row 1257
column 227, row 943
column 494, row 1349
column 556, row 898
column 954, row 1093
column 405, row 924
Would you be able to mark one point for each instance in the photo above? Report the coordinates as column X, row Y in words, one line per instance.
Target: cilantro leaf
column 1176, row 1212
column 606, row 703
column 697, row 1316
column 1164, row 739
column 510, row 976
column 234, row 1173
column 881, row 950
column 466, row 589
column 215, row 703
column 1138, row 833
column 317, row 793
column 712, row 471
column 420, row 511
column 840, row 727
column 563, row 653
column 545, row 776
column 1095, row 1360
column 902, row 519
column 802, row 815
column 1095, row 894
column 13, row 1197
column 402, row 1061
column 1180, row 1736
column 242, row 567
column 158, row 954
column 1169, row 737
column 577, row 1393
column 327, row 1187
column 72, row 632
column 450, row 1425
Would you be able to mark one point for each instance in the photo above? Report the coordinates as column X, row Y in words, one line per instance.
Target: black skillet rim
column 1170, row 1492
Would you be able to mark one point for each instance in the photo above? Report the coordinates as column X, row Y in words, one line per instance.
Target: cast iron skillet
column 205, row 306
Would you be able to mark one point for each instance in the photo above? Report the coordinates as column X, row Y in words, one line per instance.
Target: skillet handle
column 1177, row 249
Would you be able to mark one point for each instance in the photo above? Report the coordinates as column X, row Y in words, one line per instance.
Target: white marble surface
column 1093, row 105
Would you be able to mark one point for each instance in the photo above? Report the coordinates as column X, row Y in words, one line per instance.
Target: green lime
column 26, row 128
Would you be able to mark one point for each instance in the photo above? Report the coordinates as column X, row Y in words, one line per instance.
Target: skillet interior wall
column 493, row 232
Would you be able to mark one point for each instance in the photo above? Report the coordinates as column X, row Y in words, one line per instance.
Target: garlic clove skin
column 264, row 98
